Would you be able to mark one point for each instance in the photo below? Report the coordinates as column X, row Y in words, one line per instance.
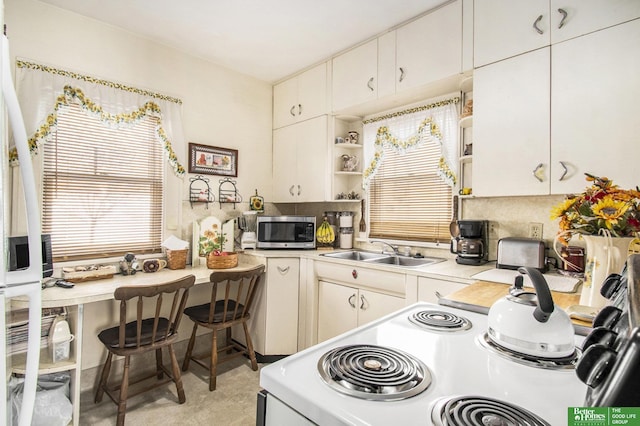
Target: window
column 408, row 199
column 411, row 168
column 102, row 187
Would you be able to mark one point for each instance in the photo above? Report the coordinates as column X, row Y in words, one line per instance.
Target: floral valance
column 43, row 90
column 406, row 131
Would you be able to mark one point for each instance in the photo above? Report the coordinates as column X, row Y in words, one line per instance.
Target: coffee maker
column 471, row 245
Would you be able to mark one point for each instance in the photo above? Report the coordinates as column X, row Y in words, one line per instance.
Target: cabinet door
column 313, row 175
column 430, row 48
column 355, row 76
column 337, row 309
column 285, row 103
column 587, row 16
column 312, row 92
column 284, row 164
column 373, row 305
column 430, row 290
column 301, row 97
column 511, row 122
column 595, row 88
column 282, row 280
column 504, row 28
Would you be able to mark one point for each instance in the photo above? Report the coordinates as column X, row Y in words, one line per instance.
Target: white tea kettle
column 530, row 323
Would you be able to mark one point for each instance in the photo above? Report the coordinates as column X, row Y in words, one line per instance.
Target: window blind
column 408, row 200
column 102, row 187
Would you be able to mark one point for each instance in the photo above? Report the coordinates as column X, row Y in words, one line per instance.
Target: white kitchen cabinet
column 430, row 48
column 301, row 97
column 274, row 319
column 594, row 125
column 350, row 296
column 300, row 162
column 504, row 28
column 558, row 109
column 342, row 308
column 431, row 289
column 511, row 121
column 355, row 76
column 424, row 51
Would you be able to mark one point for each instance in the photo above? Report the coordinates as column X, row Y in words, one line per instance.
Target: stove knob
column 607, row 317
column 595, row 364
column 611, row 285
column 600, row 335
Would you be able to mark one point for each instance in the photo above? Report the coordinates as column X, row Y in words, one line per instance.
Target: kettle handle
column 545, row 302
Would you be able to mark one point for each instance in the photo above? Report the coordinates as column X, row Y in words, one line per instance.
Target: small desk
column 96, row 291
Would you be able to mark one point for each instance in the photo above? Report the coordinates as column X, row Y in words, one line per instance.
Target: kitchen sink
column 385, row 259
column 355, row 255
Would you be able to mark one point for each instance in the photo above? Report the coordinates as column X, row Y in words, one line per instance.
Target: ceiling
column 266, row 39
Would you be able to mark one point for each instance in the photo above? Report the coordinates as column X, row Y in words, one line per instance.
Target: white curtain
column 40, row 88
column 404, row 131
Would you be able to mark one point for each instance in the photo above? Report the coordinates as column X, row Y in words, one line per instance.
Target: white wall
column 220, row 107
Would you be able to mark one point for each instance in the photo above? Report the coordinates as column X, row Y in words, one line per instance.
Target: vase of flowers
column 211, row 246
column 607, row 218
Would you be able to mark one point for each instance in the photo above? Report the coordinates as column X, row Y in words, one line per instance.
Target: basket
column 176, row 259
column 222, row 262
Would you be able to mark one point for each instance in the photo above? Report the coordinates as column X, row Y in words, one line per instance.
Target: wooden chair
column 232, row 296
column 144, row 335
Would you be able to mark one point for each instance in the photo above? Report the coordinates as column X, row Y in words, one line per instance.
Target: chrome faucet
column 384, row 243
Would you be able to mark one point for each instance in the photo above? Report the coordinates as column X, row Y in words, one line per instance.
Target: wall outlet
column 494, row 230
column 535, row 230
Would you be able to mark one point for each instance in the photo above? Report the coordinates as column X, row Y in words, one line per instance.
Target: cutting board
column 483, row 294
column 556, row 282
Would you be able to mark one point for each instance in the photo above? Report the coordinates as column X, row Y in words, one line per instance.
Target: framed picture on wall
column 212, row 160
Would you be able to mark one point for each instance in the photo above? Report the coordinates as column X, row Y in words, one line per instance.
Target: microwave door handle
column 34, row 272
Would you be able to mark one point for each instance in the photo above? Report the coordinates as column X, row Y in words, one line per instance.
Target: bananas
column 324, row 233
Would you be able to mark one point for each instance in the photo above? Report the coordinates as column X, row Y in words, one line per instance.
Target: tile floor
column 233, row 403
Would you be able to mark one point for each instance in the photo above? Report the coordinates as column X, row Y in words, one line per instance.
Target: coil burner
column 374, row 372
column 440, row 321
column 481, row 411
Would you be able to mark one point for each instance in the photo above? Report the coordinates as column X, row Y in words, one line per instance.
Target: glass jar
column 346, row 238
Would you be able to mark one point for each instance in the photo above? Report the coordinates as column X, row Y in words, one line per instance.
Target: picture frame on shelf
column 212, row 160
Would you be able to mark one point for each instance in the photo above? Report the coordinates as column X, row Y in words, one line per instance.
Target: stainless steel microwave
column 286, row 232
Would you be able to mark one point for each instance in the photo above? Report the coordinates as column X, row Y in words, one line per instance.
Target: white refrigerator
column 25, row 282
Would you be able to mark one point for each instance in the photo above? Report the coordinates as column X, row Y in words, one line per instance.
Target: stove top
column 439, row 320
column 481, row 411
column 449, row 364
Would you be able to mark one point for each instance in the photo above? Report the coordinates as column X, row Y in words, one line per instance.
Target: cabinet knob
column 291, row 190
column 354, row 274
column 283, row 270
column 299, row 190
column 299, row 109
column 401, row 75
column 370, row 84
column 564, row 17
column 351, row 300
column 565, row 170
column 538, row 172
column 535, row 25
column 363, row 303
column 292, row 111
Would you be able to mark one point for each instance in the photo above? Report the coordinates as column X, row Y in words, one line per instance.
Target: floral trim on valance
column 71, row 94
column 89, row 79
column 427, row 128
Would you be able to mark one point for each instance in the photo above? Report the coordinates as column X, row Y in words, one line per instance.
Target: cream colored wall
column 220, row 107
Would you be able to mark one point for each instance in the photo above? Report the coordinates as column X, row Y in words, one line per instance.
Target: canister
column 346, row 219
column 346, row 238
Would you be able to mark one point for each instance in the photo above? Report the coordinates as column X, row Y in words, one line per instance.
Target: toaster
column 516, row 252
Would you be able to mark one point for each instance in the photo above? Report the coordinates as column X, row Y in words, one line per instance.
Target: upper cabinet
column 300, row 162
column 301, row 97
column 504, row 28
column 429, row 48
column 420, row 53
column 546, row 117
